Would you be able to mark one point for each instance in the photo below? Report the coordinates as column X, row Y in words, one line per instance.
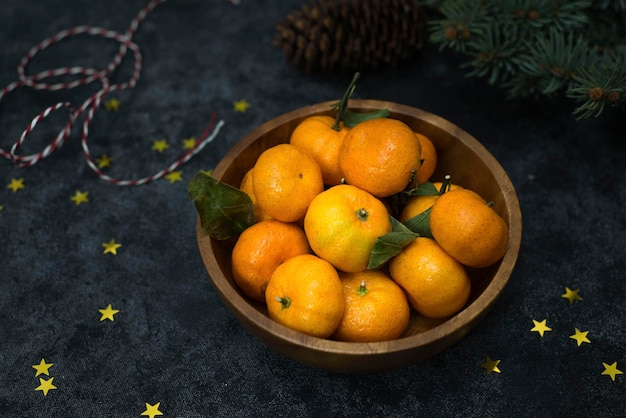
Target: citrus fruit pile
column 351, row 234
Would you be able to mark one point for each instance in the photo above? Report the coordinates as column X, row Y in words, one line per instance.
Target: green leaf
column 390, row 244
column 224, row 211
column 420, row 224
column 424, row 189
column 351, row 119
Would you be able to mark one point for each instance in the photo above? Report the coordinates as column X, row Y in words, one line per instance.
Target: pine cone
column 351, row 35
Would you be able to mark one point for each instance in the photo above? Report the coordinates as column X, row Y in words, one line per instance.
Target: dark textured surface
column 173, row 341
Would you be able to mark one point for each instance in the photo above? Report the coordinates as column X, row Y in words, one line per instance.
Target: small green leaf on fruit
column 351, row 119
column 420, row 223
column 424, row 189
column 224, row 211
column 390, row 244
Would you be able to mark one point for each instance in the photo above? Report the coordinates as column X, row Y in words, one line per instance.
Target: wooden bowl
column 461, row 156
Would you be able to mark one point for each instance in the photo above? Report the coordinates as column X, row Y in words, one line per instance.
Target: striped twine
column 85, row 76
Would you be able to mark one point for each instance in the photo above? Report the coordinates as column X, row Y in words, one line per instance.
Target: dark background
column 173, row 341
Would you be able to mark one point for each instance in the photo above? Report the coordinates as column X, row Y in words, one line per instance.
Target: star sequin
column 45, row 385
column 1, row 209
column 540, row 327
column 112, row 105
column 152, row 410
column 80, row 197
column 571, row 295
column 104, row 161
column 174, row 176
column 42, row 368
column 611, row 370
column 111, row 247
column 16, row 184
column 241, row 106
column 107, row 313
column 580, row 337
column 491, row 365
column 189, row 143
column 160, row 145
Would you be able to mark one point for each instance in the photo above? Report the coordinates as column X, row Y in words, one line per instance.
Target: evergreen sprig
column 540, row 47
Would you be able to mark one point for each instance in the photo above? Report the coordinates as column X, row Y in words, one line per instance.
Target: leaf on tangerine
column 424, row 189
column 390, row 244
column 224, row 211
column 351, row 119
column 420, row 223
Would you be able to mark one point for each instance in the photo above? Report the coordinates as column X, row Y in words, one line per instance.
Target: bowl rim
column 468, row 315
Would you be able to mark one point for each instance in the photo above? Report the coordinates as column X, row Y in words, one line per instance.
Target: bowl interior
column 459, row 155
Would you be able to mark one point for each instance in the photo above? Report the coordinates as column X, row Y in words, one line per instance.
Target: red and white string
column 85, row 76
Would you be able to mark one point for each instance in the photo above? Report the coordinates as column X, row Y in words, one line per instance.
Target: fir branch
column 554, row 59
column 545, row 13
column 600, row 86
column 496, row 54
column 540, row 47
column 464, row 20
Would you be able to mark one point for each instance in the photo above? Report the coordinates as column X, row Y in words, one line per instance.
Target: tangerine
column 428, row 158
column 437, row 285
column 305, row 294
column 286, row 178
column 342, row 224
column 260, row 249
column 316, row 135
column 468, row 228
column 246, row 187
column 376, row 308
column 380, row 156
column 420, row 203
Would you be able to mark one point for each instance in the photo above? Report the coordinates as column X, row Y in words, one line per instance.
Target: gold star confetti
column 111, row 247
column 152, row 410
column 112, row 105
column 16, row 184
column 571, row 295
column 540, row 327
column 107, row 313
column 1, row 209
column 580, row 337
column 104, row 161
column 80, row 197
column 174, row 176
column 611, row 370
column 45, row 385
column 241, row 106
column 491, row 365
column 189, row 143
column 160, row 145
column 42, row 368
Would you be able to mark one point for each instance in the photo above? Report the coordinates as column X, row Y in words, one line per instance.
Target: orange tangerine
column 305, row 294
column 246, row 187
column 260, row 249
column 286, row 178
column 316, row 135
column 428, row 158
column 468, row 228
column 380, row 156
column 420, row 203
column 342, row 224
column 436, row 284
column 376, row 308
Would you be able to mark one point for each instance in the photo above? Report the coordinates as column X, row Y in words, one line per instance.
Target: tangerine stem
column 284, row 301
column 362, row 290
column 362, row 214
column 343, row 104
column 445, row 185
